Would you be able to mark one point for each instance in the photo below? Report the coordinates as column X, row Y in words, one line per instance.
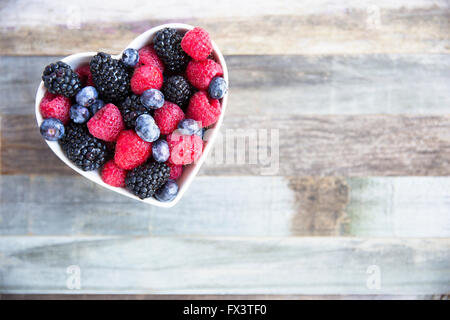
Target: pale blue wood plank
column 225, row 266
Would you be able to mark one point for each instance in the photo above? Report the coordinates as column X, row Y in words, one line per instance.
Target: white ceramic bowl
column 190, row 171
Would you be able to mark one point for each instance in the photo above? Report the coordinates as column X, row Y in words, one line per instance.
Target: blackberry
column 131, row 108
column 59, row 78
column 111, row 77
column 146, row 179
column 177, row 89
column 87, row 152
column 167, row 44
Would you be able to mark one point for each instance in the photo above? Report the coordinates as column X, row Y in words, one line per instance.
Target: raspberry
column 184, row 149
column 197, row 43
column 107, row 123
column 175, row 170
column 167, row 117
column 131, row 151
column 203, row 109
column 200, row 73
column 55, row 106
column 146, row 77
column 85, row 75
column 147, row 55
column 113, row 175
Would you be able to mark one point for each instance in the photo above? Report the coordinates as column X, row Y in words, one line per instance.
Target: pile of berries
column 139, row 119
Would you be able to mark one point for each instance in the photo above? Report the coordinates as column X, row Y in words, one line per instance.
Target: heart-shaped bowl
column 190, row 171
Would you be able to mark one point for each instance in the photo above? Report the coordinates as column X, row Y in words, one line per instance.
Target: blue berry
column 217, row 88
column 52, row 129
column 97, row 105
column 200, row 132
column 86, row 96
column 146, row 128
column 160, row 150
column 79, row 114
column 188, row 127
column 167, row 192
column 152, row 98
column 130, row 57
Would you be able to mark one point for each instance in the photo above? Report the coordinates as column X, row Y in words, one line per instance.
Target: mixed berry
column 138, row 119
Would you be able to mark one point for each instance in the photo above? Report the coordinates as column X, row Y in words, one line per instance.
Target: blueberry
column 188, row 127
column 86, row 96
column 160, row 150
column 97, row 105
column 200, row 132
column 52, row 129
column 152, row 98
column 79, row 114
column 130, row 57
column 167, row 192
column 217, row 88
column 146, row 128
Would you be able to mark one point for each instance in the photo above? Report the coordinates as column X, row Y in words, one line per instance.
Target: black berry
column 177, row 89
column 167, row 44
column 131, row 108
column 146, row 179
column 59, row 78
column 111, row 77
column 86, row 151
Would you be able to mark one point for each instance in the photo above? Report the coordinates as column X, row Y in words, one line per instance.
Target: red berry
column 85, row 75
column 131, row 151
column 113, row 175
column 146, row 77
column 200, row 73
column 203, row 109
column 107, row 123
column 175, row 170
column 197, row 43
column 147, row 55
column 55, row 106
column 167, row 117
column 184, row 149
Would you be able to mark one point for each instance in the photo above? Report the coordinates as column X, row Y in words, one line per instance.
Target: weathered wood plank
column 225, row 266
column 214, row 297
column 355, row 84
column 278, row 27
column 250, row 206
column 378, row 145
column 360, row 145
column 399, row 207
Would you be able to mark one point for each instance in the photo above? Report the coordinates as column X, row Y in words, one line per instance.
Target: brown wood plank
column 239, row 28
column 268, row 84
column 384, row 145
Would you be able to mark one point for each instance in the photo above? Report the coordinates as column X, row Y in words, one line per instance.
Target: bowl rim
column 190, row 171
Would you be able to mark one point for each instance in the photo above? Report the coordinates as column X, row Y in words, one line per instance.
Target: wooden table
column 360, row 97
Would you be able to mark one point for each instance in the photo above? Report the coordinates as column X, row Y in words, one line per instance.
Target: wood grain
column 249, row 206
column 268, row 84
column 226, row 266
column 282, row 27
column 214, row 297
column 385, row 145
column 350, row 89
